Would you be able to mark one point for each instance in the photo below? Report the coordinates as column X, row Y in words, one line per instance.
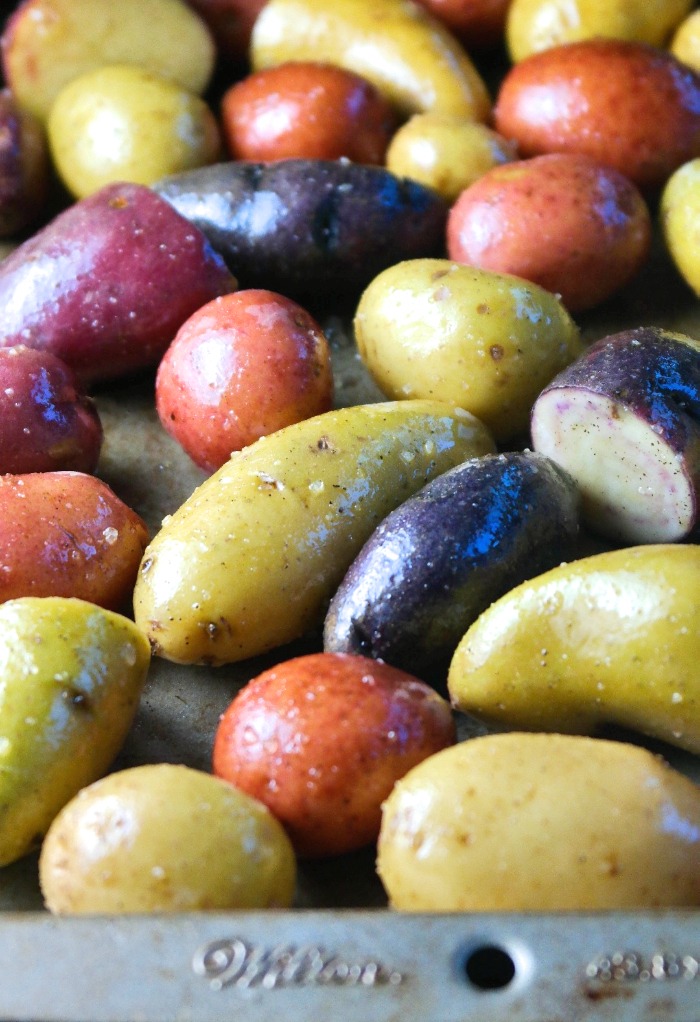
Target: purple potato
column 624, row 421
column 442, row 557
column 24, row 167
column 106, row 285
column 311, row 229
column 47, row 423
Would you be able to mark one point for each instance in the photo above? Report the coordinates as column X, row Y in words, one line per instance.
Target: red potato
column 626, row 104
column 478, row 23
column 47, row 423
column 243, row 366
column 307, row 110
column 321, row 740
column 106, row 285
column 68, row 534
column 592, row 226
column 24, row 167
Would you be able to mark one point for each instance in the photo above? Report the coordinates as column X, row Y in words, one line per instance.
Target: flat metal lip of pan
column 374, row 965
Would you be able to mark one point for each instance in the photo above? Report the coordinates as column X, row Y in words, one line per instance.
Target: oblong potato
column 71, row 678
column 408, row 54
column 541, row 822
column 611, row 638
column 252, row 558
column 433, row 328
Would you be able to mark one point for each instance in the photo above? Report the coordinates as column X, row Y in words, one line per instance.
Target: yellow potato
column 252, row 558
column 679, row 210
column 71, row 675
column 431, row 328
column 611, row 638
column 408, row 54
column 535, row 25
column 685, row 44
column 165, row 838
column 541, row 822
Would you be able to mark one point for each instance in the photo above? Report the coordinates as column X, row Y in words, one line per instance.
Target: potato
column 106, row 285
column 321, row 740
column 164, row 838
column 412, row 58
column 47, row 43
column 47, row 422
column 239, row 368
column 685, row 44
column 252, row 558
column 24, row 167
column 535, row 25
column 593, row 227
column 479, row 24
column 67, row 534
column 446, row 152
column 123, row 123
column 541, row 822
column 679, row 210
column 631, row 106
column 437, row 561
column 231, row 24
column 71, row 679
column 623, row 420
column 613, row 638
column 432, row 328
column 314, row 230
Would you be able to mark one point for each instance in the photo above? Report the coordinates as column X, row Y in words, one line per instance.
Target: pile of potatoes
column 190, row 193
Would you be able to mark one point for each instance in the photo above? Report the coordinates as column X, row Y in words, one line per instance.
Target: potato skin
column 631, row 106
column 68, row 534
column 108, row 282
column 47, row 422
column 679, row 215
column 24, row 167
column 610, row 638
column 252, row 558
column 314, row 230
column 321, row 739
column 541, row 822
column 71, row 683
column 436, row 562
column 493, row 340
column 593, row 227
column 164, row 838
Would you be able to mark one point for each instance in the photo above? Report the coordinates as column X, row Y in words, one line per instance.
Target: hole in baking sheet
column 489, row 967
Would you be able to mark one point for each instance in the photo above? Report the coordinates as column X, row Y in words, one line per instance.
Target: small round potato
column 685, row 44
column 489, row 342
column 541, row 822
column 680, row 221
column 165, row 838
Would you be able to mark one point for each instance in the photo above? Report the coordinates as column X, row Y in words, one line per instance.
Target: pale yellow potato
column 685, row 44
column 251, row 560
column 541, row 822
column 47, row 43
column 123, row 123
column 432, row 328
column 611, row 638
column 445, row 152
column 407, row 53
column 679, row 211
column 71, row 676
column 536, row 25
column 165, row 838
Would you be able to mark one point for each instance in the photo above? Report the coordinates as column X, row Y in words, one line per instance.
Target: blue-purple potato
column 108, row 282
column 47, row 422
column 319, row 229
column 624, row 420
column 437, row 561
column 24, row 167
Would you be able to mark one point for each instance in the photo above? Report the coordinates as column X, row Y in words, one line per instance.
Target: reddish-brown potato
column 626, row 104
column 478, row 23
column 242, row 366
column 306, row 110
column 67, row 534
column 592, row 226
column 47, row 422
column 322, row 739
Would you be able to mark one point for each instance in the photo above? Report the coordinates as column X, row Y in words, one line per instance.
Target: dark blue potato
column 441, row 558
column 311, row 229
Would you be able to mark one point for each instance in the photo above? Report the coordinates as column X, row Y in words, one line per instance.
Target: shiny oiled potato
column 609, row 638
column 432, row 328
column 165, row 838
column 541, row 822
